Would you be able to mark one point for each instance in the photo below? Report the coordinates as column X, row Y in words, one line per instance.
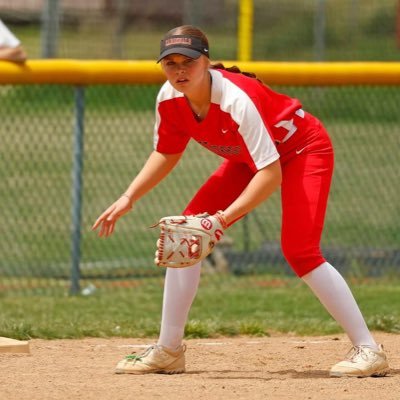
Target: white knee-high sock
column 335, row 295
column 180, row 289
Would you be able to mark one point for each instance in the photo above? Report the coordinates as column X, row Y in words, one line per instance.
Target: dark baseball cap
column 187, row 45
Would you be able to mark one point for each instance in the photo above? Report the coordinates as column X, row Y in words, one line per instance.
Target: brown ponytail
column 234, row 69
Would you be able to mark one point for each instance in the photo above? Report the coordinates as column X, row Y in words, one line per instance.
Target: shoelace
column 357, row 351
column 138, row 357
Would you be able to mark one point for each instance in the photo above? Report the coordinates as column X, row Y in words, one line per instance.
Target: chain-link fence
column 309, row 30
column 47, row 207
column 38, row 186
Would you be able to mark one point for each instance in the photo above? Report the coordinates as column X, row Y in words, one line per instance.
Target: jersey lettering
column 220, row 149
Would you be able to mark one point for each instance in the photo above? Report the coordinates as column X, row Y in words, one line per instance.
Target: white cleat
column 362, row 361
column 155, row 359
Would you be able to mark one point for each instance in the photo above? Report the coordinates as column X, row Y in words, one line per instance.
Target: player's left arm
column 261, row 186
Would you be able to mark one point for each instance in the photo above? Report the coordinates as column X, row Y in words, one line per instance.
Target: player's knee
column 302, row 259
column 294, row 257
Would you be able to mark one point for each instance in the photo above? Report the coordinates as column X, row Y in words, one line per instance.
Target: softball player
column 267, row 141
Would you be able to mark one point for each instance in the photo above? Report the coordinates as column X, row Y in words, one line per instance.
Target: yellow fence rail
column 89, row 72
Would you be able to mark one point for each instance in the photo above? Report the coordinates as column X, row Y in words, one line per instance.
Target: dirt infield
column 277, row 367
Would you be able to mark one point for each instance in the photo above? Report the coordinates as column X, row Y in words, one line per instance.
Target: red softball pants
column 307, row 164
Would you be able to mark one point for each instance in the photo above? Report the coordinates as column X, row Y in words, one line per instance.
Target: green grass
column 225, row 306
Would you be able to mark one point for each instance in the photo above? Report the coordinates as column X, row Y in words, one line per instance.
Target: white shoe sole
column 161, row 371
column 360, row 375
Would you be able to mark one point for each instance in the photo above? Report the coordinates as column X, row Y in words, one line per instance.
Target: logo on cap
column 180, row 40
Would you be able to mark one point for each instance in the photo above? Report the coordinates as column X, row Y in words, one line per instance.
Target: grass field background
column 227, row 306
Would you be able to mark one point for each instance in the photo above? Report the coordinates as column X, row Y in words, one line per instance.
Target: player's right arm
column 156, row 168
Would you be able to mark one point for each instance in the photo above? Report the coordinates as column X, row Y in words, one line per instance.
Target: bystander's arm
column 15, row 54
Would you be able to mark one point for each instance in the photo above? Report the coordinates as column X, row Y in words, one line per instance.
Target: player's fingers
column 111, row 228
column 158, row 243
column 98, row 222
column 102, row 217
column 103, row 229
column 111, row 221
column 108, row 224
column 109, row 217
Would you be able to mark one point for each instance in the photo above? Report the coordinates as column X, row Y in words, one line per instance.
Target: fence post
column 192, row 12
column 50, row 28
column 398, row 25
column 245, row 31
column 320, row 30
column 77, row 171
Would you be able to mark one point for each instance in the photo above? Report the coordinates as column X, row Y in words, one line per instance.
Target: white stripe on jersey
column 239, row 105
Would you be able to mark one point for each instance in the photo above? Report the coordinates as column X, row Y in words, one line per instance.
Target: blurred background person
column 11, row 48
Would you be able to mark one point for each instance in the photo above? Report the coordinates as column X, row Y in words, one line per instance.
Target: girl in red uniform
column 267, row 141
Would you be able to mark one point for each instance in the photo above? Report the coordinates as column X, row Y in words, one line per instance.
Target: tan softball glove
column 186, row 240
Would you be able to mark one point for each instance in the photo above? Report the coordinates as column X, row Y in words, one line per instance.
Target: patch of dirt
column 277, row 367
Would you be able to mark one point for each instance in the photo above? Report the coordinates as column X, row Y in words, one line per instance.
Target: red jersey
column 245, row 120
